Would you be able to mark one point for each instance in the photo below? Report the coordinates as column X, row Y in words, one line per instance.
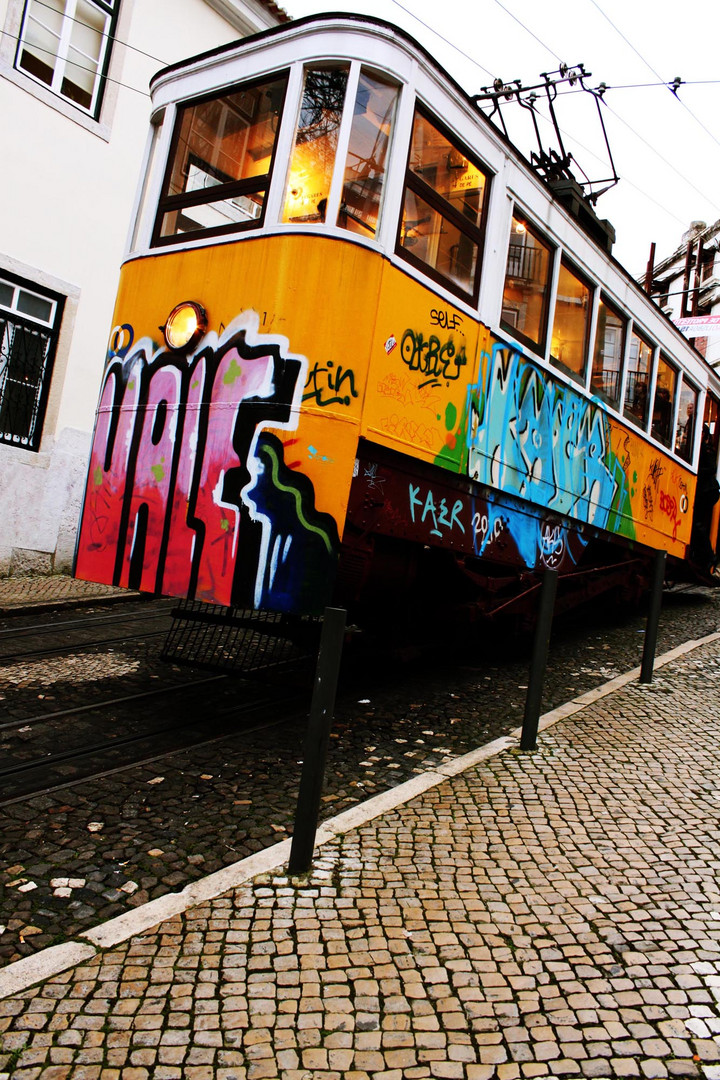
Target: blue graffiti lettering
column 441, row 515
column 533, row 437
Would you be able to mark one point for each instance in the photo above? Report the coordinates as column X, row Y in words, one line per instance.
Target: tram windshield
column 316, row 139
column 220, row 160
column 367, row 154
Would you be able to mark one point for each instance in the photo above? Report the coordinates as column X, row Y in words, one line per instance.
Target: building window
column 664, row 403
column 220, row 162
column 637, row 388
column 441, row 230
column 29, row 326
column 571, row 324
column 606, row 378
column 66, row 45
column 527, row 285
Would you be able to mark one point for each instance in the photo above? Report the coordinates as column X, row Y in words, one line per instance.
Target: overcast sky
column 666, row 148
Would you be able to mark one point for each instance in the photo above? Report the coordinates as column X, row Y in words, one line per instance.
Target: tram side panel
column 224, row 474
column 538, row 466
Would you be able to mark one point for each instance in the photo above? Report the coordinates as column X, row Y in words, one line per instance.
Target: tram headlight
column 185, row 325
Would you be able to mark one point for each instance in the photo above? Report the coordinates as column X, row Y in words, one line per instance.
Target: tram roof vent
column 571, row 195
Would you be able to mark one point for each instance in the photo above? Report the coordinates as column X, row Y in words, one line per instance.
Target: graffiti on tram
column 188, row 492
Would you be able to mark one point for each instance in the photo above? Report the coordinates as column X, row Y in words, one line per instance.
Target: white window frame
column 33, row 12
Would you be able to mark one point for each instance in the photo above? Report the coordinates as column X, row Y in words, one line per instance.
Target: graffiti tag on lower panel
column 188, row 494
column 439, row 515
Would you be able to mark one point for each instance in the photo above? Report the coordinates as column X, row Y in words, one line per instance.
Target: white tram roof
column 389, row 49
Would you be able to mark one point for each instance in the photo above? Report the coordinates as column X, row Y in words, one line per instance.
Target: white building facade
column 75, row 111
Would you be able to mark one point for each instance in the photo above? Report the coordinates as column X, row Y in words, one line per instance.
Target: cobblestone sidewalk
column 554, row 913
column 38, row 591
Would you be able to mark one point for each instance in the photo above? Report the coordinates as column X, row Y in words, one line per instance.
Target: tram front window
column 367, row 153
column 220, row 161
column 316, row 139
column 571, row 323
column 443, row 208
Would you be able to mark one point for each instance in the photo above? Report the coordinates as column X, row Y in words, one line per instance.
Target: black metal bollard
column 541, row 644
column 653, row 619
column 316, row 741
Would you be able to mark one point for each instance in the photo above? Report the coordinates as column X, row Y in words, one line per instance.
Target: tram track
column 83, row 635
column 58, row 714
column 84, row 739
column 40, row 775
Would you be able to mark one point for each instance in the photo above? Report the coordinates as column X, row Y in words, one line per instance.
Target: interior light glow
column 185, row 325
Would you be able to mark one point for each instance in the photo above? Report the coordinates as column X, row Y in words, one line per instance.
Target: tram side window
column 526, row 293
column 637, row 388
column 220, row 162
column 664, row 403
column 687, row 418
column 606, row 377
column 316, row 139
column 571, row 323
column 367, row 154
column 441, row 230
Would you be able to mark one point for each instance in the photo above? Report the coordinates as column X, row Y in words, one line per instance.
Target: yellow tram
column 362, row 351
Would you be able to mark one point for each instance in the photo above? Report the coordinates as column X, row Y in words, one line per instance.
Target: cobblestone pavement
column 91, row 851
column 554, row 913
column 40, row 591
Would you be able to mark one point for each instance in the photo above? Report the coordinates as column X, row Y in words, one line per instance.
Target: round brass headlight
column 185, row 325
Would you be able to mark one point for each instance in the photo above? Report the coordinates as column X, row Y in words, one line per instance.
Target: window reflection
column 637, row 388
column 606, row 375
column 525, row 296
column 313, row 158
column 571, row 322
column 664, row 403
column 438, row 242
column 221, row 160
column 446, row 169
column 367, row 153
column 687, row 418
column 443, row 208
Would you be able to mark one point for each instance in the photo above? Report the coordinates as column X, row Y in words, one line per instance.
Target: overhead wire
column 670, row 86
column 89, row 26
column 79, row 67
column 548, row 49
column 447, row 41
column 528, row 30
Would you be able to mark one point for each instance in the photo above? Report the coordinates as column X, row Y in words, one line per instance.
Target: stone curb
column 58, row 958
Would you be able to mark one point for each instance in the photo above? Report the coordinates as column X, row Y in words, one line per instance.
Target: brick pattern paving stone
column 221, row 802
column 29, row 591
column 546, row 914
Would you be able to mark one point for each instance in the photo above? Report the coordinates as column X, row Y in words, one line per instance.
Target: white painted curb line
column 58, row 958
